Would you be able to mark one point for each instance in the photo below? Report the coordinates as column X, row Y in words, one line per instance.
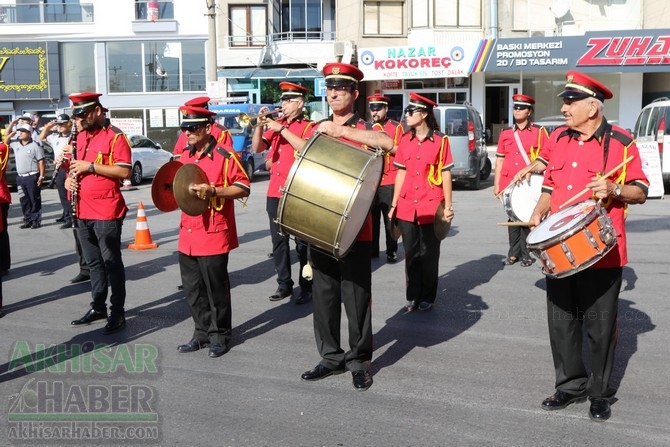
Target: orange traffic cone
column 142, row 234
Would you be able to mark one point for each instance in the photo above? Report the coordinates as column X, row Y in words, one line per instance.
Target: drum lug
column 607, row 231
column 568, row 253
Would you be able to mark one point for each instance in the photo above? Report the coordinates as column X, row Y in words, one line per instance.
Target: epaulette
column 224, row 152
column 621, row 137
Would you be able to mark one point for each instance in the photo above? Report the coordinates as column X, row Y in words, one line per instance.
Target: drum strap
column 520, row 146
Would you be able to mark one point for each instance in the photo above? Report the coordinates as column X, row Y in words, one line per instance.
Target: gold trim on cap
column 580, row 88
column 416, row 104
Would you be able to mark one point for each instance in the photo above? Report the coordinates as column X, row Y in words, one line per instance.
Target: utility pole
column 211, row 42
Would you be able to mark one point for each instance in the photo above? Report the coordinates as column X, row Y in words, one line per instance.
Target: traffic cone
column 142, row 233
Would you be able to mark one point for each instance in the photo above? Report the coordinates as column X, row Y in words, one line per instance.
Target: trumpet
column 245, row 120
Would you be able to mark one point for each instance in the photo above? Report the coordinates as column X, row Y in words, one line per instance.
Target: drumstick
column 516, row 224
column 619, row 166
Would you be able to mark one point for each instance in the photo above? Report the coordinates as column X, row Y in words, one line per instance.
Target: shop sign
column 29, row 70
column 417, row 62
column 624, row 51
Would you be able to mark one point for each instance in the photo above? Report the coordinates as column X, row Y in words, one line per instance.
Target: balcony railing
column 46, row 13
column 290, row 36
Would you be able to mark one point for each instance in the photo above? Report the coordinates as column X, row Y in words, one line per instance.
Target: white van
column 652, row 132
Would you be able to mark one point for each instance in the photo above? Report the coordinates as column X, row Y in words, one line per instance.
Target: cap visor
column 574, row 94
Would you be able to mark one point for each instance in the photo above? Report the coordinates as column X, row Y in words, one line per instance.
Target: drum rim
column 507, row 198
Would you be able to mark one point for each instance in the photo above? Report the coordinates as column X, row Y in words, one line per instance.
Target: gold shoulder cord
column 435, row 175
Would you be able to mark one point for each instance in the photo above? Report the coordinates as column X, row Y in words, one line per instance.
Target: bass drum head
column 562, row 223
column 520, row 199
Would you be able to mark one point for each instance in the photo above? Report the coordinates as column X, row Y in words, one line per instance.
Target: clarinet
column 74, row 195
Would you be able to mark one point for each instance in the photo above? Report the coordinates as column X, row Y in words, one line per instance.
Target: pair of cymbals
column 440, row 225
column 171, row 188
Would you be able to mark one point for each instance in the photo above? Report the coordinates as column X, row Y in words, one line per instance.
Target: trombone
column 245, row 120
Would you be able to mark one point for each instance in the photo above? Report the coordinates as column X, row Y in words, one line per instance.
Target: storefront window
column 78, row 65
column 156, row 66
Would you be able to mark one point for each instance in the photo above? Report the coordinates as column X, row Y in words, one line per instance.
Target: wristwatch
column 91, row 168
column 617, row 190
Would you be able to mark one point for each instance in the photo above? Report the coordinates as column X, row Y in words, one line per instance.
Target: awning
column 268, row 73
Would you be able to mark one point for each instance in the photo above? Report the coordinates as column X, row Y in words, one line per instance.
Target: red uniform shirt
column 533, row 138
column 394, row 130
column 355, row 121
column 418, row 197
column 218, row 131
column 573, row 164
column 213, row 232
column 99, row 197
column 5, row 194
column 281, row 154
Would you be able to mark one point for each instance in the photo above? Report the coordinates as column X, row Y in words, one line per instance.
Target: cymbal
column 440, row 225
column 161, row 187
column 395, row 229
column 187, row 176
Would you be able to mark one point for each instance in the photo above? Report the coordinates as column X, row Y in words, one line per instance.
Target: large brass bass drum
column 328, row 194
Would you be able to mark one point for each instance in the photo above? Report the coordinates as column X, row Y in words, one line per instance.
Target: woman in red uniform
column 205, row 240
column 424, row 163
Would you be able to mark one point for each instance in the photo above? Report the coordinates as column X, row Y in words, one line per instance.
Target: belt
column 26, row 175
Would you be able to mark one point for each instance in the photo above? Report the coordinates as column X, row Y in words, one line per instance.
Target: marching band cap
column 339, row 74
column 195, row 115
column 580, row 86
column 62, row 118
column 419, row 102
column 523, row 100
column 83, row 102
column 25, row 127
column 290, row 90
column 377, row 102
column 200, row 101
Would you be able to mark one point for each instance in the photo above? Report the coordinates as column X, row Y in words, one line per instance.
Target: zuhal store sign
column 29, row 70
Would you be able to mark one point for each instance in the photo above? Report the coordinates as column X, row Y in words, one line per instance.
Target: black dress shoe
column 25, row 225
column 66, row 225
column 320, row 372
column 392, row 258
column 89, row 318
column 35, row 225
column 180, row 287
column 217, row 350
column 362, row 380
column 560, row 400
column 115, row 323
column 305, row 296
column 192, row 346
column 81, row 277
column 600, row 410
column 280, row 294
column 60, row 220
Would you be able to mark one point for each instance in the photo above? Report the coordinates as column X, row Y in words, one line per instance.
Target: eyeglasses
column 193, row 128
column 521, row 107
column 290, row 100
column 338, row 88
column 410, row 112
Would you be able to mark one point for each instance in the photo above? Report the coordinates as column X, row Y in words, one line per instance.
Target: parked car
column 652, row 129
column 148, row 157
column 467, row 136
column 10, row 173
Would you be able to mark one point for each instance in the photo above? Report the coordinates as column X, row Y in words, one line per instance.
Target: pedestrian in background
column 58, row 140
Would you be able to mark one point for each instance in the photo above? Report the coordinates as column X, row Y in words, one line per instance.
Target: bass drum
column 328, row 194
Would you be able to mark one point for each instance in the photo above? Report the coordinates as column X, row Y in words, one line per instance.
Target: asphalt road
column 472, row 372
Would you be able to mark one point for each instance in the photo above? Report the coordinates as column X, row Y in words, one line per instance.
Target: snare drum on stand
column 328, row 194
column 572, row 239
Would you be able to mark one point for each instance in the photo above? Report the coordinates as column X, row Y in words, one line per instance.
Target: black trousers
column 517, row 242
column 380, row 211
column 281, row 251
column 422, row 258
column 5, row 252
column 586, row 301
column 348, row 282
column 207, row 290
column 62, row 195
column 30, row 198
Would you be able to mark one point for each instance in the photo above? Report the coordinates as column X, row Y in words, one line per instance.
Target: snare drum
column 328, row 194
column 572, row 239
column 519, row 199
